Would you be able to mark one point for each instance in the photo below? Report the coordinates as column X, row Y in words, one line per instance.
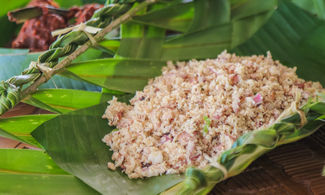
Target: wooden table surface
column 290, row 169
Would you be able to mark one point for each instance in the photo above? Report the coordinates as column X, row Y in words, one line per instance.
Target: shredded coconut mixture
column 195, row 110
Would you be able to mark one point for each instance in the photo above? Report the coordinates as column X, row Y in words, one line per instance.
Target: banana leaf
column 34, row 172
column 316, row 7
column 125, row 75
column 293, row 36
column 111, row 45
column 19, row 128
column 177, row 17
column 65, row 100
column 214, row 26
column 85, row 155
column 55, row 100
column 139, row 41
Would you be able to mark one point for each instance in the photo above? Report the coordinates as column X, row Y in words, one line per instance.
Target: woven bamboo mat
column 290, row 169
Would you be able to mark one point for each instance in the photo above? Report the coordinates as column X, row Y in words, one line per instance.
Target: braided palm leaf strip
column 9, row 96
column 10, row 90
column 249, row 147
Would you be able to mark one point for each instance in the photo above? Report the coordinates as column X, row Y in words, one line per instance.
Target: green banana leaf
column 316, row 7
column 85, row 155
column 177, row 17
column 33, row 172
column 65, row 100
column 139, row 41
column 300, row 44
column 125, row 75
column 215, row 26
column 55, row 100
column 19, row 128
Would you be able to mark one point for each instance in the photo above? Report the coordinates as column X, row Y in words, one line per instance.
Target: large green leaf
column 139, row 41
column 214, row 36
column 22, row 126
column 111, row 45
column 316, row 7
column 295, row 37
column 65, row 100
column 127, row 75
column 209, row 13
column 92, row 54
column 177, row 17
column 54, row 100
column 213, row 27
column 85, row 155
column 33, row 172
column 62, row 82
